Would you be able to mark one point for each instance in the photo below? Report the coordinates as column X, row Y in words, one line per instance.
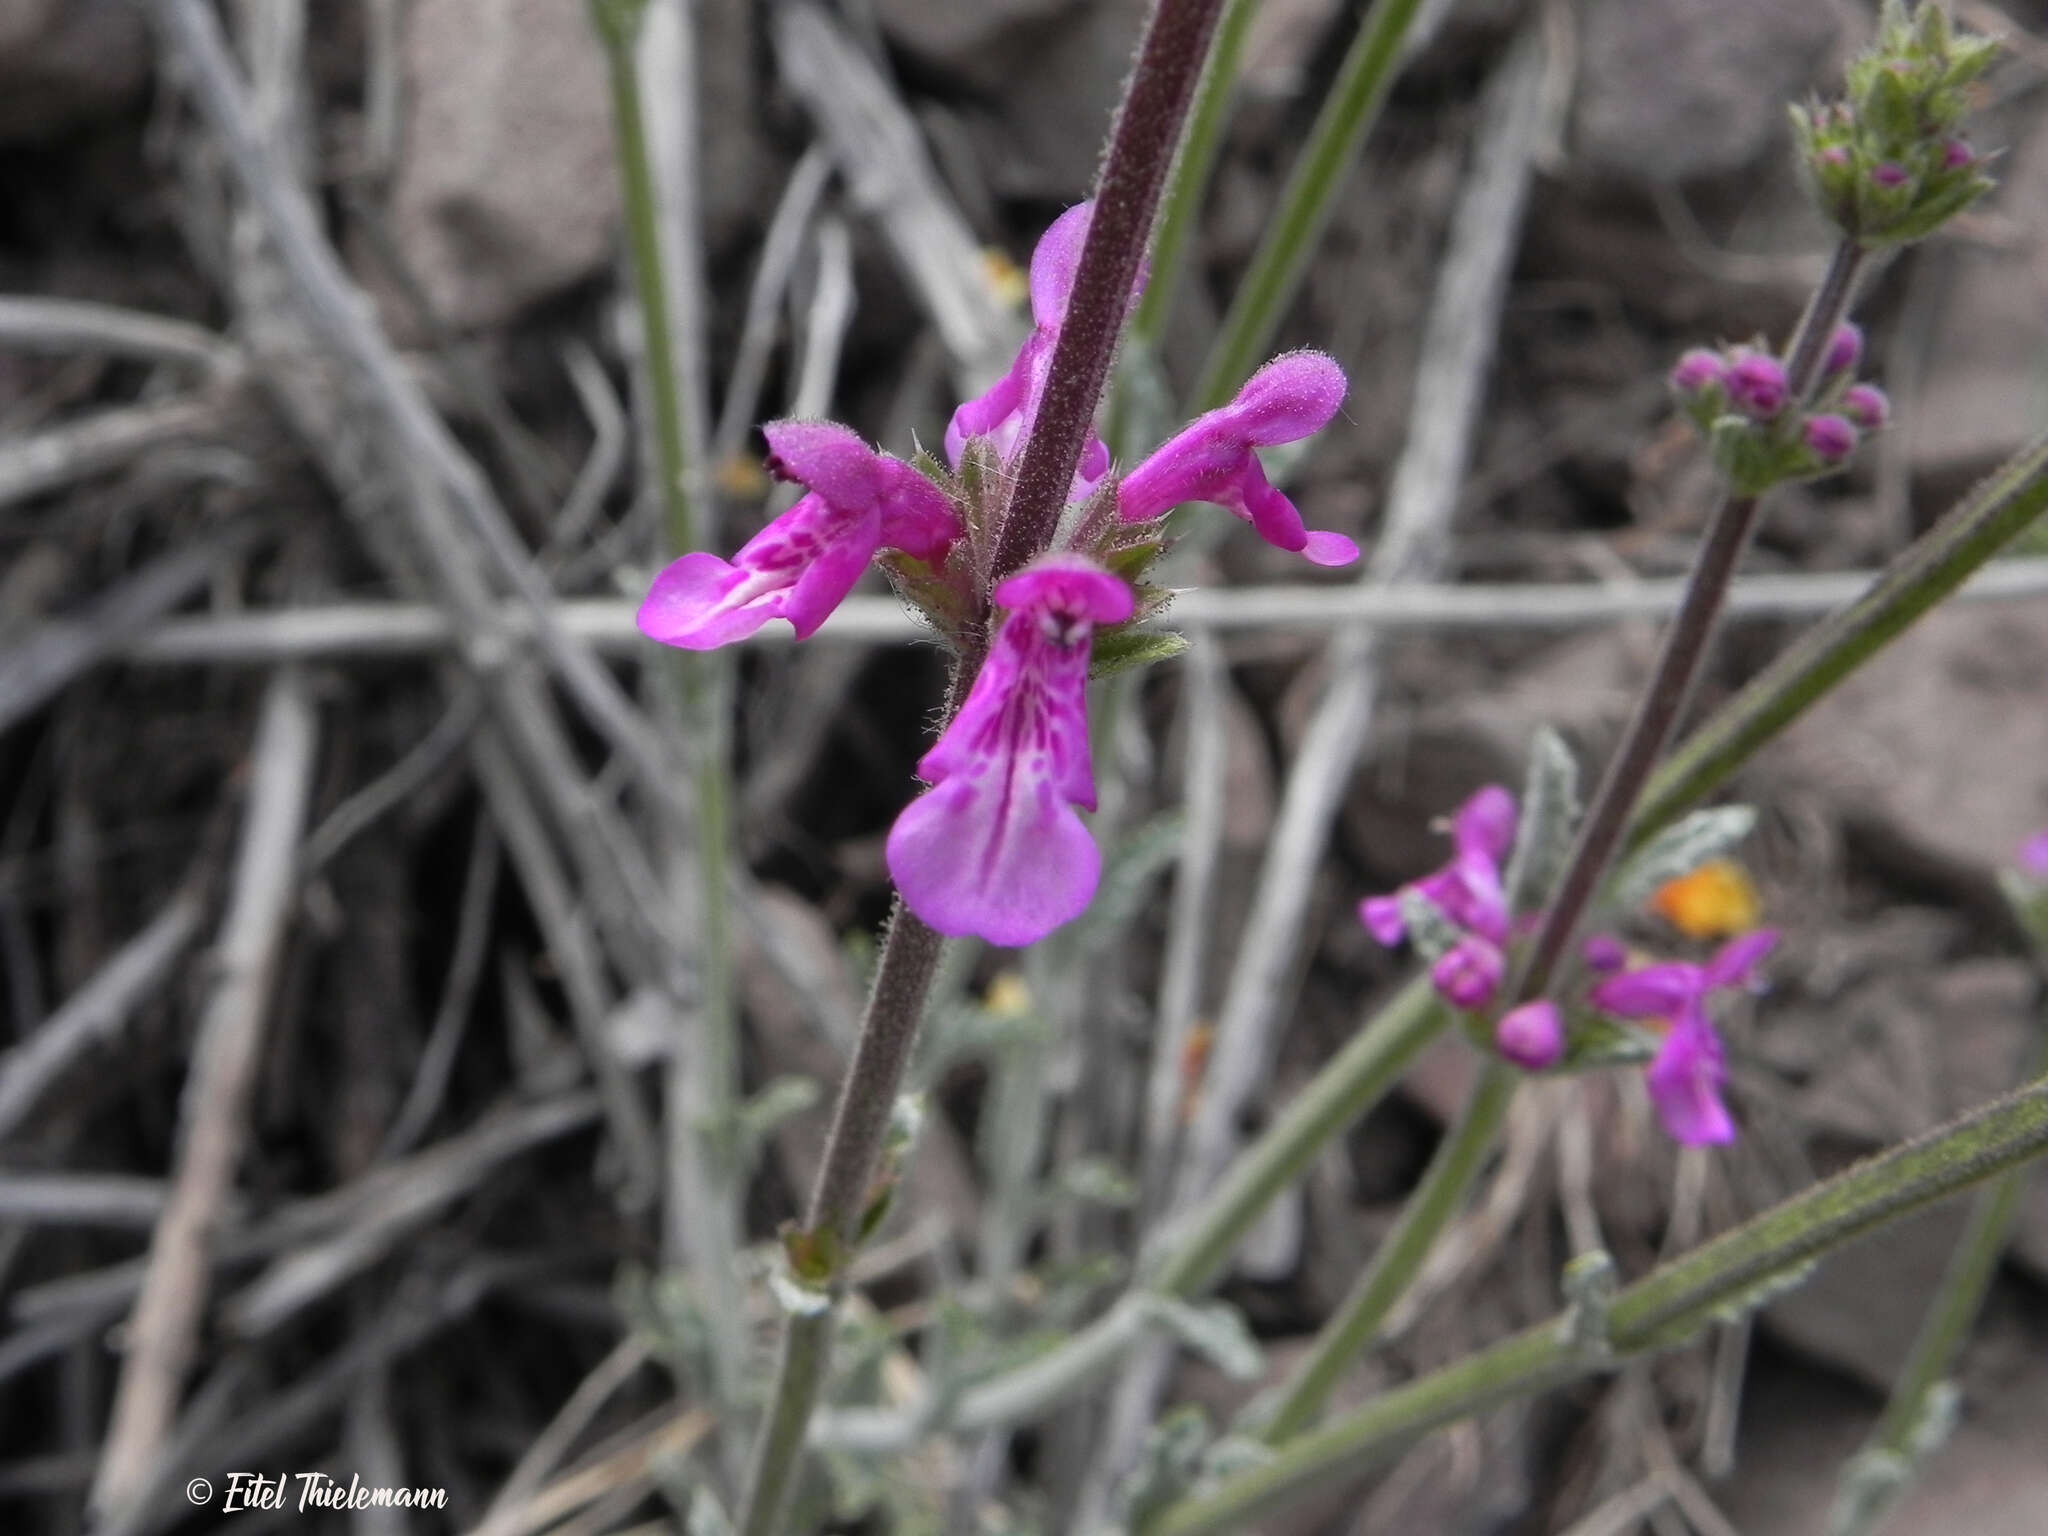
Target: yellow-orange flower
column 1715, row 901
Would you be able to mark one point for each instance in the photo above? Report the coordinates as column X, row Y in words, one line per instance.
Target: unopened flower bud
column 2034, row 856
column 1845, row 348
column 1604, row 954
column 1698, row 371
column 1832, row 438
column 1469, row 972
column 1531, row 1036
column 1756, row 383
column 1889, row 173
column 1956, row 154
column 1834, row 157
column 1867, row 406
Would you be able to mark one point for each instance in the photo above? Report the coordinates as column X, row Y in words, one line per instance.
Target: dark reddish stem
column 1685, row 650
column 1141, row 146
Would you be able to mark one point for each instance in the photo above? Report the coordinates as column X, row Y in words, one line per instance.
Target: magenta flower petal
column 1736, row 961
column 996, row 849
column 1653, row 992
column 999, row 412
column 1484, row 825
column 917, row 518
column 1212, row 459
column 1531, row 1036
column 1292, row 397
column 1685, row 1084
column 1055, row 261
column 800, row 567
column 1381, row 917
column 826, row 458
column 1604, row 954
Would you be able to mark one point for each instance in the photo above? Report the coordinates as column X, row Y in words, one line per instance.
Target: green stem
column 1729, row 1275
column 1926, row 571
column 1400, row 1256
column 1181, row 206
column 1354, row 1080
column 1877, row 1475
column 704, row 1083
column 1306, row 204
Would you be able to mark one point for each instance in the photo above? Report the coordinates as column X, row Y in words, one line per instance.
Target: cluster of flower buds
column 1460, row 917
column 1741, row 399
column 996, row 849
column 1888, row 162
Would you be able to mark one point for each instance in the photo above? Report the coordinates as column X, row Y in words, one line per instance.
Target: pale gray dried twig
column 33, row 323
column 95, row 1013
column 81, row 1199
column 108, row 439
column 164, row 1332
column 392, row 630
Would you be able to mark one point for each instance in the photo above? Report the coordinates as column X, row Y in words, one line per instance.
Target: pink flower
column 1686, row 1077
column 1956, row 154
column 802, row 565
column 1604, row 954
column 1005, row 410
column 1889, row 173
column 995, row 849
column 1211, row 459
column 2034, row 855
column 1531, row 1036
column 1468, row 892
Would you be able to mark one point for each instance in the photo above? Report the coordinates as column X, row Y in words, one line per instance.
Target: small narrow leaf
column 1680, row 849
column 1215, row 1330
column 1119, row 650
column 1549, row 816
column 1429, row 930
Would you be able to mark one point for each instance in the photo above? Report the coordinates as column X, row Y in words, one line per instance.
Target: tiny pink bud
column 1468, row 973
column 1889, row 173
column 1832, row 438
column 1531, row 1036
column 1604, row 954
column 2034, row 855
column 1756, row 383
column 1834, row 157
column 1956, row 154
column 1866, row 405
column 1698, row 371
column 1845, row 348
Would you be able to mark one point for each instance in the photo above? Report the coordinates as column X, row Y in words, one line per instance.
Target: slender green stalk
column 1399, row 1258
column 1686, row 647
column 1926, row 571
column 1181, row 207
column 703, row 1090
column 1879, row 1473
column 1354, row 1080
column 1307, row 202
column 1728, row 1276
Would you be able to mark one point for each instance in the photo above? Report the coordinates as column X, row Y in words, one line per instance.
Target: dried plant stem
column 164, row 1332
column 1141, row 147
column 1686, row 647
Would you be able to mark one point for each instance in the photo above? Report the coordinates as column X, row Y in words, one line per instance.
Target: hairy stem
column 1141, row 146
column 1731, row 1274
column 1399, row 1258
column 860, row 1123
column 1686, row 647
column 1926, row 571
